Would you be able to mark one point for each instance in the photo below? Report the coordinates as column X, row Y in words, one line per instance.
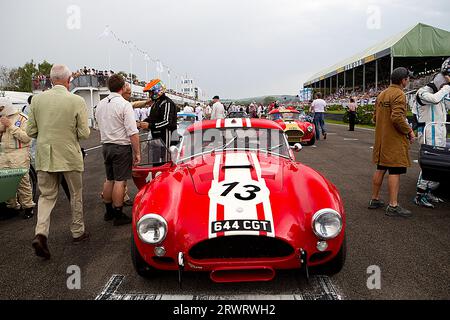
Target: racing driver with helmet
column 162, row 120
column 431, row 105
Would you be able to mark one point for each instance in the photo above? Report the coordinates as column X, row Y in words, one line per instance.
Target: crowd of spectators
column 369, row 95
column 42, row 82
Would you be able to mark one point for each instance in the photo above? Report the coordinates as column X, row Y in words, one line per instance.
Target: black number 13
column 251, row 190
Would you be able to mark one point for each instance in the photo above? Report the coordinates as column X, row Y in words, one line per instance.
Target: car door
column 155, row 159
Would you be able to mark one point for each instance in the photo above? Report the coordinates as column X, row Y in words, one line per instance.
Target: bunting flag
column 160, row 67
column 105, row 33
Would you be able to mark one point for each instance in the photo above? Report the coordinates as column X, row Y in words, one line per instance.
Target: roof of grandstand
column 420, row 40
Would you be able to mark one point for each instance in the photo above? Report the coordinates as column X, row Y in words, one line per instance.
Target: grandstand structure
column 421, row 48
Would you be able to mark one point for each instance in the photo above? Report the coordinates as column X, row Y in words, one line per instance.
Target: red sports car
column 234, row 202
column 296, row 128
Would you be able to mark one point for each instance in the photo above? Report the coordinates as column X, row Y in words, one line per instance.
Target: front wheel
column 142, row 268
column 336, row 264
column 312, row 141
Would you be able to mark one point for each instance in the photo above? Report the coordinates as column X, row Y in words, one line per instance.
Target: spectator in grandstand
column 352, row 106
column 391, row 150
column 318, row 107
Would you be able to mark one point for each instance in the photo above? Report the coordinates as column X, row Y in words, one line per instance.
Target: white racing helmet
column 6, row 107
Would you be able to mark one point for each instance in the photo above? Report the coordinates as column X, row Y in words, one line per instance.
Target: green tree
column 9, row 79
column 26, row 74
column 44, row 68
column 269, row 100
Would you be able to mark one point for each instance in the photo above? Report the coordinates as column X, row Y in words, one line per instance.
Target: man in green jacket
column 58, row 120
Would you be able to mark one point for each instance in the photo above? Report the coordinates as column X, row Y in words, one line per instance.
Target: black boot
column 28, row 214
column 120, row 218
column 109, row 214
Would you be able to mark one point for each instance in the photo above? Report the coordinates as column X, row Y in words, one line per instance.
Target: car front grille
column 294, row 135
column 229, row 247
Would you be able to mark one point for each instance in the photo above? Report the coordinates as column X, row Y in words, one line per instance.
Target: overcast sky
column 233, row 48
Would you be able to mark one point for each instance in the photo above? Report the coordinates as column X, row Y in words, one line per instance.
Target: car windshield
column 285, row 116
column 185, row 118
column 254, row 139
column 237, row 114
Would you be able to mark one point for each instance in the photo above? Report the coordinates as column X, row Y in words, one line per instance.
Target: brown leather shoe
column 84, row 237
column 40, row 246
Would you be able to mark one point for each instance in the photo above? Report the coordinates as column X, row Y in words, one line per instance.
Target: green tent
column 423, row 41
column 418, row 41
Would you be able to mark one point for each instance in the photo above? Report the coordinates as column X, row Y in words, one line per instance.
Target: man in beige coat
column 15, row 153
column 58, row 120
column 392, row 138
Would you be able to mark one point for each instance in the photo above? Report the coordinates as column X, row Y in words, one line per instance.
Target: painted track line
column 322, row 289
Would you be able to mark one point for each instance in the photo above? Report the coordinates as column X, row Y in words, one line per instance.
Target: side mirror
column 297, row 147
column 174, row 152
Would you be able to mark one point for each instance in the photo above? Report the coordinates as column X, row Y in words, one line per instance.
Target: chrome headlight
column 310, row 129
column 327, row 224
column 152, row 229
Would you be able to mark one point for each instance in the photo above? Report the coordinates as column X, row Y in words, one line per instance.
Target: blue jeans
column 319, row 120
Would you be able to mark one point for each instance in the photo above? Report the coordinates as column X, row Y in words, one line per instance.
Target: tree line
column 20, row 79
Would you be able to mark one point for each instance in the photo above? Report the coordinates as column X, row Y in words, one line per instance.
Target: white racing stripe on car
column 320, row 288
column 213, row 202
column 266, row 203
column 235, row 209
column 245, row 202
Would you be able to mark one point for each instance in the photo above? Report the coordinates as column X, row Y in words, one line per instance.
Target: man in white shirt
column 188, row 108
column 120, row 139
column 208, row 111
column 318, row 107
column 199, row 112
column 218, row 110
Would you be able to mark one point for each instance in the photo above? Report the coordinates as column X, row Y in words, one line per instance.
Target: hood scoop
column 237, row 166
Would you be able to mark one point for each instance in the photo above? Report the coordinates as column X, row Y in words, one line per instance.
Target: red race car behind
column 297, row 129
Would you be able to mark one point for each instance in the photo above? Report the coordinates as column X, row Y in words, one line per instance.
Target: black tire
column 337, row 263
column 312, row 141
column 33, row 182
column 142, row 268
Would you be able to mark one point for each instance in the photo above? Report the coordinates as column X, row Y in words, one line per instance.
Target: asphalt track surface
column 412, row 254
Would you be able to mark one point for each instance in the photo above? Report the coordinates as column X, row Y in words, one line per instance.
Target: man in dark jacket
column 162, row 120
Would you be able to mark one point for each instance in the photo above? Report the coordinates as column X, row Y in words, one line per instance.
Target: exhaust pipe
column 242, row 274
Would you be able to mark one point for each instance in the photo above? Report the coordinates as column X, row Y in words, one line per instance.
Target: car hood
column 257, row 194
